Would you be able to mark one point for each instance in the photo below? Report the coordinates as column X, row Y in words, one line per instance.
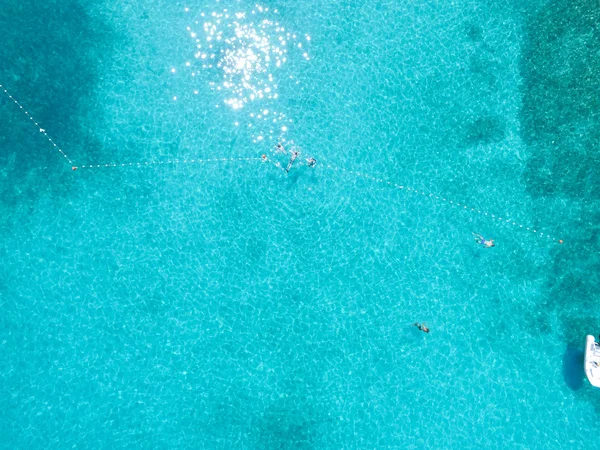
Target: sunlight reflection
column 247, row 48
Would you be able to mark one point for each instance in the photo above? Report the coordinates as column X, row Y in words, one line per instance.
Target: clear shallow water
column 226, row 305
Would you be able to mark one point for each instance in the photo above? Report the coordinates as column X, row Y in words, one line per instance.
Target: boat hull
column 592, row 361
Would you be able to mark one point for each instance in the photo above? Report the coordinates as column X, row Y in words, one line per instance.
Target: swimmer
column 280, row 149
column 482, row 241
column 311, row 162
column 421, row 327
column 295, row 154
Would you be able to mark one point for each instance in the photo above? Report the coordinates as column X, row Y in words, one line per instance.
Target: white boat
column 592, row 361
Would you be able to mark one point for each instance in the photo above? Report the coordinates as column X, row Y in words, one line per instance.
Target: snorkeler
column 421, row 327
column 311, row 162
column 482, row 241
column 295, row 154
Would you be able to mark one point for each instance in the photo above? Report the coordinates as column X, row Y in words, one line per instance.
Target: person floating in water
column 482, row 241
column 295, row 155
column 311, row 162
column 421, row 327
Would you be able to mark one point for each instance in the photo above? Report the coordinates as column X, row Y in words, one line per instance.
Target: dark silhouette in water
column 295, row 154
column 572, row 368
column 421, row 327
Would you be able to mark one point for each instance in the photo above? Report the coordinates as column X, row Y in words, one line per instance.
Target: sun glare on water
column 247, row 49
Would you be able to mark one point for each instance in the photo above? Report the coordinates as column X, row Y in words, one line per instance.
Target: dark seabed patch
column 560, row 121
column 560, row 125
column 285, row 426
column 485, row 130
column 48, row 62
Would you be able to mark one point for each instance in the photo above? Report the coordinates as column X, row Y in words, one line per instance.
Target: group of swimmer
column 486, row 243
column 310, row 162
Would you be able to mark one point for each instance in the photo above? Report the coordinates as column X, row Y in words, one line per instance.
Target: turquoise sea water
column 229, row 305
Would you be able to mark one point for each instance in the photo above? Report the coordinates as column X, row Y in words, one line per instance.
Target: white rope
column 264, row 158
column 495, row 217
column 168, row 162
column 39, row 127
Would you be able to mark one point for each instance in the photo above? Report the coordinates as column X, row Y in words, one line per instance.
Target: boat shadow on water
column 572, row 369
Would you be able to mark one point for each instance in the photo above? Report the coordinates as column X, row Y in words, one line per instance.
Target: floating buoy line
column 169, row 162
column 265, row 159
column 36, row 124
column 491, row 216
